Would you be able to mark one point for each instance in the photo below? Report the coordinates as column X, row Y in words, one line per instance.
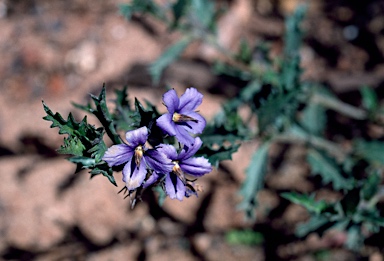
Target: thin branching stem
column 339, row 106
column 332, row 148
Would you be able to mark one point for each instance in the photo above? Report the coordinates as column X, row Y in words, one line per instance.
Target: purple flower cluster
column 182, row 118
column 145, row 166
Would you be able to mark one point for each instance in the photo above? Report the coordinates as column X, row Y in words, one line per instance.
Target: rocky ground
column 60, row 51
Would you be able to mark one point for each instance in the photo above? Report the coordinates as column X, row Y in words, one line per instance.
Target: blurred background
column 61, row 51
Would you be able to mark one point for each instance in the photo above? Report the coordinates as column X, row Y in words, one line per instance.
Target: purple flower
column 181, row 118
column 137, row 158
column 183, row 163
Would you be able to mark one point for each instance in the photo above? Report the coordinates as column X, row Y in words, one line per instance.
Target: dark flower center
column 178, row 171
column 180, row 118
column 138, row 155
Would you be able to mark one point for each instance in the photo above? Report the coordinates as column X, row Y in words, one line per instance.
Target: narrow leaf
column 306, row 201
column 170, row 55
column 254, row 180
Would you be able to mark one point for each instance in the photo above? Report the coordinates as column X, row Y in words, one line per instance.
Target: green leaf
column 328, row 170
column 148, row 118
column 203, row 13
column 277, row 110
column 98, row 150
column 244, row 237
column 293, row 32
column 250, row 90
column 371, row 151
column 369, row 98
column 102, row 114
column 81, row 135
column 161, row 194
column 314, row 119
column 291, row 72
column 84, row 141
column 227, row 126
column 245, row 52
column 254, row 180
column 178, row 10
column 354, row 238
column 69, row 126
column 105, row 170
column 122, row 98
column 221, row 68
column 215, row 155
column 306, row 201
column 370, row 186
column 170, row 55
column 316, row 223
column 142, row 7
column 84, row 161
column 72, row 146
column 125, row 118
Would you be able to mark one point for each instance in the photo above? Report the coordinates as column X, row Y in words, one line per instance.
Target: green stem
column 339, row 106
column 297, row 135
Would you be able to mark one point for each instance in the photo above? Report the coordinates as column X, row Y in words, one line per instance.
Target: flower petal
column 171, row 101
column 192, row 126
column 118, row 154
column 188, row 152
column 190, row 100
column 137, row 137
column 168, row 150
column 174, row 187
column 134, row 176
column 158, row 161
column 196, row 166
column 152, row 179
column 183, row 136
column 165, row 123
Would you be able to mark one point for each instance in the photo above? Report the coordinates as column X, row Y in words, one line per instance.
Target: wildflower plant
column 170, row 151
column 287, row 110
column 143, row 157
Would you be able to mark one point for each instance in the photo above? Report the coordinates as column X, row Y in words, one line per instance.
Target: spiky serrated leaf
column 222, row 68
column 122, row 98
column 81, row 135
column 317, row 223
column 69, row 126
column 103, row 115
column 250, row 90
column 72, row 146
column 105, row 170
column 276, row 110
column 328, row 170
column 168, row 56
column 370, row 186
column 148, row 118
column 254, row 181
column 98, row 151
column 215, row 155
column 85, row 162
column 307, row 201
column 227, row 126
column 372, row 151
